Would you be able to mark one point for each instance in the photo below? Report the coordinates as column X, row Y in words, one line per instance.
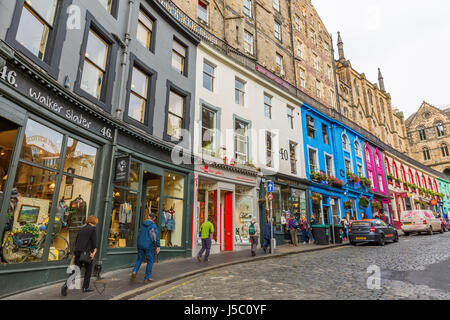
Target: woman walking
column 304, row 226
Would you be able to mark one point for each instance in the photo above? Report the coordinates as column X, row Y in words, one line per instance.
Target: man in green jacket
column 206, row 230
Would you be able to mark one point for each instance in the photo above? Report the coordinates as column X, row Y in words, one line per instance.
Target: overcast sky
column 408, row 39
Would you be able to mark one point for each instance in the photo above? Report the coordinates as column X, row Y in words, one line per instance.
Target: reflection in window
column 144, row 30
column 173, row 208
column 244, row 214
column 41, row 145
column 138, row 95
column 178, row 56
column 123, row 217
column 80, row 159
column 175, row 117
column 8, row 133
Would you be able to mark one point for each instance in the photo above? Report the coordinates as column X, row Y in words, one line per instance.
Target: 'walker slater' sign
column 53, row 102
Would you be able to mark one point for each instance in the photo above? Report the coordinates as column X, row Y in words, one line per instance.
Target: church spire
column 381, row 80
column 340, row 47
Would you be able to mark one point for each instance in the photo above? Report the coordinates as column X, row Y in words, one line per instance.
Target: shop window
column 243, row 213
column 36, row 26
column 173, row 208
column 80, row 159
column 8, row 133
column 202, row 209
column 276, row 210
column 212, row 211
column 124, row 210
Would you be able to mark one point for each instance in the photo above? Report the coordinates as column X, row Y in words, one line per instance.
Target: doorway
column 151, row 196
column 227, row 197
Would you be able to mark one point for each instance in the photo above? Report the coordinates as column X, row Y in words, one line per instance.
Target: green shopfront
column 58, row 163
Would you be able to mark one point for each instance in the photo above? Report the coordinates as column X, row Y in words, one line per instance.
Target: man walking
column 206, row 231
column 292, row 228
column 254, row 232
column 267, row 236
column 148, row 239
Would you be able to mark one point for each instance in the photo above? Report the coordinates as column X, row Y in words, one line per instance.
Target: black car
column 373, row 230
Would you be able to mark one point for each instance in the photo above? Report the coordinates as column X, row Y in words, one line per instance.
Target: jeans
column 206, row 246
column 142, row 253
column 254, row 242
column 305, row 235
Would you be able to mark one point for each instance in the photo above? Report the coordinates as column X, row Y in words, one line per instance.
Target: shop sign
column 122, row 169
column 206, row 169
column 48, row 99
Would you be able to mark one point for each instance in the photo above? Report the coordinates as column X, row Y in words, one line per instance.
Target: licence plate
column 406, row 222
column 361, row 238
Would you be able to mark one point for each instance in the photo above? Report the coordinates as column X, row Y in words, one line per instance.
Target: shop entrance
column 227, row 197
column 151, row 195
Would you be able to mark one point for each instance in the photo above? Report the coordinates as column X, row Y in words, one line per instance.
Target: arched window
column 411, row 176
column 345, row 142
column 418, row 180
column 440, row 129
column 395, row 169
column 388, row 165
column 369, row 93
column 424, row 182
column 426, row 153
column 358, row 150
column 444, row 150
column 430, row 184
column 403, row 174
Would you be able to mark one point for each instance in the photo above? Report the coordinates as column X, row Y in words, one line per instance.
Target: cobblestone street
column 418, row 267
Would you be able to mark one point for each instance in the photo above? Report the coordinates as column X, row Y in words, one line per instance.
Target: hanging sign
column 122, row 169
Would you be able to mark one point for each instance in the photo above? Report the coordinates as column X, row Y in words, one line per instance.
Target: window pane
column 207, row 82
column 92, row 80
column 136, row 108
column 107, row 4
column 80, row 159
column 243, row 214
column 173, row 185
column 28, row 215
column 177, row 62
column 143, row 35
column 45, row 8
column 172, row 232
column 133, row 182
column 8, row 133
column 41, row 145
column 174, row 126
column 123, row 219
column 32, row 33
column 208, row 118
column 96, row 50
column 139, row 82
column 176, row 104
column 239, row 85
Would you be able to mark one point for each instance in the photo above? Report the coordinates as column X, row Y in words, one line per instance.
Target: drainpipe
column 107, row 200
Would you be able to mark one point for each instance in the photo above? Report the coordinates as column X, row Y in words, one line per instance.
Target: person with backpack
column 206, row 231
column 292, row 226
column 254, row 232
column 148, row 239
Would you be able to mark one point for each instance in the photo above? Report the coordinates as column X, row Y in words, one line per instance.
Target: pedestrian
column 304, row 226
column 254, row 231
column 292, row 226
column 206, row 232
column 344, row 228
column 267, row 236
column 85, row 250
column 148, row 240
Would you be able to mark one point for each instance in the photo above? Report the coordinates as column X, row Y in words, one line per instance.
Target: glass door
column 152, row 180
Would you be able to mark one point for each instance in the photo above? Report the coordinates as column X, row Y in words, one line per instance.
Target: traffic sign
column 269, row 186
column 270, row 196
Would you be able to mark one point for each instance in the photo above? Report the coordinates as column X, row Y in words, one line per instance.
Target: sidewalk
column 118, row 286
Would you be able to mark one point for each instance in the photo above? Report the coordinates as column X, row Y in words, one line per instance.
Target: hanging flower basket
column 363, row 202
column 318, row 176
column 335, row 182
column 366, row 182
column 348, row 205
column 316, row 197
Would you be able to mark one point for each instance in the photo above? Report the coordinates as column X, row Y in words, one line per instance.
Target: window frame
column 291, row 116
column 92, row 23
column 153, row 31
column 247, row 137
column 250, row 44
column 215, row 129
column 55, row 42
column 316, row 160
column 207, row 11
column 212, row 76
column 114, row 8
column 293, row 160
column 170, row 86
column 250, row 15
column 268, row 105
column 329, row 156
column 184, row 72
column 151, row 95
column 242, row 93
column 276, row 23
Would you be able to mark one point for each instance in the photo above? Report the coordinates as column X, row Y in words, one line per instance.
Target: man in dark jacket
column 148, row 238
column 267, row 235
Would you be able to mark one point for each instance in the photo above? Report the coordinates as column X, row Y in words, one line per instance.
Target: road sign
column 270, row 196
column 269, row 186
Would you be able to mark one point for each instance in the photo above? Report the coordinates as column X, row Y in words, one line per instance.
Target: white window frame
column 277, row 33
column 203, row 18
column 248, row 43
column 241, row 91
column 214, row 131
column 248, row 10
column 333, row 171
column 246, row 139
column 317, row 164
column 213, row 76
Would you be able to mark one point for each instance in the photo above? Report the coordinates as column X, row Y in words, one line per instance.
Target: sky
column 408, row 39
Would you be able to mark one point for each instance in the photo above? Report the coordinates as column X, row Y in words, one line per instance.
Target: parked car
column 372, row 230
column 420, row 221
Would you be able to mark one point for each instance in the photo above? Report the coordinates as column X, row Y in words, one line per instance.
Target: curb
column 133, row 293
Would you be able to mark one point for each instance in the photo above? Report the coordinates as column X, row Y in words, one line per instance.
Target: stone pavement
column 118, row 286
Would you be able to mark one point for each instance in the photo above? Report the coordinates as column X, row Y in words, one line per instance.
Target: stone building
column 368, row 104
column 428, row 136
column 286, row 37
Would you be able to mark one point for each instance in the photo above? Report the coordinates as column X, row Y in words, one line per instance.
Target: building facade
column 429, row 139
column 89, row 123
column 337, row 169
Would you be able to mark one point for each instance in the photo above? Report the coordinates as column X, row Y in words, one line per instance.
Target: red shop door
column 228, row 221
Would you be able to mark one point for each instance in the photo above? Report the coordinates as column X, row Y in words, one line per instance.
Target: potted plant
column 316, row 197
column 335, row 182
column 348, row 205
column 318, row 177
column 363, row 202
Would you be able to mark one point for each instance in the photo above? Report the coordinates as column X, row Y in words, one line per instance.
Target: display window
column 276, row 210
column 298, row 198
column 8, row 134
column 244, row 212
column 124, row 210
column 212, row 211
column 171, row 220
column 54, row 175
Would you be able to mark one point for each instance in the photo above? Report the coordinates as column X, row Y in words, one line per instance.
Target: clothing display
column 125, row 213
column 78, row 210
column 171, row 220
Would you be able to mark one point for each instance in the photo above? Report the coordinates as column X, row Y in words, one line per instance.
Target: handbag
column 85, row 257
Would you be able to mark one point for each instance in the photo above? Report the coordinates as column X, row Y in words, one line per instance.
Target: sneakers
column 199, row 259
column 133, row 276
column 148, row 280
column 87, row 290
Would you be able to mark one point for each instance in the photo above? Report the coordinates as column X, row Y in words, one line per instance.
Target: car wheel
column 396, row 237
column 382, row 241
column 430, row 231
column 353, row 243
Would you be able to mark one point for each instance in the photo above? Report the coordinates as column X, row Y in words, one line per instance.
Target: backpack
column 252, row 229
column 295, row 224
